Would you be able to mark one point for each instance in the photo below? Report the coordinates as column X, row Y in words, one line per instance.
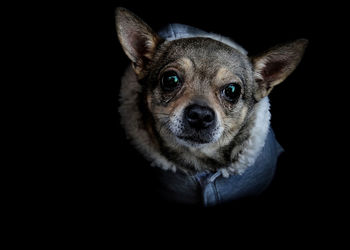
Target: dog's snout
column 199, row 117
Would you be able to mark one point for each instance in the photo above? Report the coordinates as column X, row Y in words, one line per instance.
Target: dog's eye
column 170, row 81
column 231, row 92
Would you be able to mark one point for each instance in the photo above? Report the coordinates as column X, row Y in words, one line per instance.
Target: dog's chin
column 194, row 141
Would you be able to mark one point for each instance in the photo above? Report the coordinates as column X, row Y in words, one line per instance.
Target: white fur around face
column 254, row 144
column 259, row 122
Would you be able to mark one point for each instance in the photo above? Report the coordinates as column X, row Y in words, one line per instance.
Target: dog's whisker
column 163, row 125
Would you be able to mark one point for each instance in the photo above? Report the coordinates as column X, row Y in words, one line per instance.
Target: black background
column 108, row 176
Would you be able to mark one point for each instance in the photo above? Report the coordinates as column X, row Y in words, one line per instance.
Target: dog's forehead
column 207, row 53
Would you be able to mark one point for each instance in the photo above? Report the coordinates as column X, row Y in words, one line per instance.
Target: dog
column 196, row 106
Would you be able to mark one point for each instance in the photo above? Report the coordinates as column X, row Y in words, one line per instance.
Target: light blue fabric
column 211, row 188
column 177, row 31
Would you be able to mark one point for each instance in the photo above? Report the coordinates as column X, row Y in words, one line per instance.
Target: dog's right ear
column 138, row 40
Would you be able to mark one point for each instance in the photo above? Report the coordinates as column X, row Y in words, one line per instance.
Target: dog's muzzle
column 199, row 124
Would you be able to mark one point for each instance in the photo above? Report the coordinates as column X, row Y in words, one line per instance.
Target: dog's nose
column 199, row 117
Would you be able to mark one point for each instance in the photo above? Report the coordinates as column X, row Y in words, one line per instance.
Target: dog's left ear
column 275, row 65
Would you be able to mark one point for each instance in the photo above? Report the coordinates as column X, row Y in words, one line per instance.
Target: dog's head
column 200, row 91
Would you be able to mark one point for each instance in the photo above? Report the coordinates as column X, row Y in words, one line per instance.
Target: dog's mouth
column 192, row 136
column 198, row 138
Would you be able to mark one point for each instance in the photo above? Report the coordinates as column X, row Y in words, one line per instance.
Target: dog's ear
column 275, row 65
column 138, row 40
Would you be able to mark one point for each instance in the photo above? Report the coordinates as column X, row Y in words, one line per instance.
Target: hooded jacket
column 207, row 188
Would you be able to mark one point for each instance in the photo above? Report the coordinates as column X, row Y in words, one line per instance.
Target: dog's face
column 199, row 90
column 197, row 96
